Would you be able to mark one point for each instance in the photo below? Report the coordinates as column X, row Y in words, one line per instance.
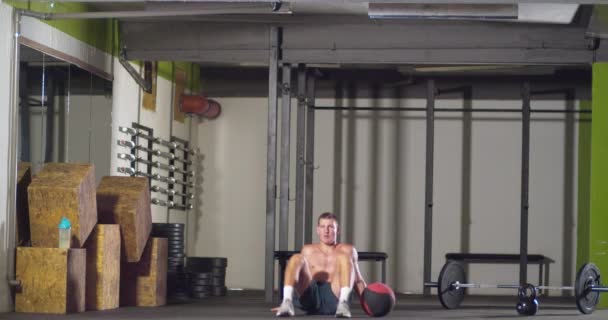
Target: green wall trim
column 103, row 34
column 165, row 70
column 95, row 32
column 598, row 237
column 584, row 184
column 193, row 77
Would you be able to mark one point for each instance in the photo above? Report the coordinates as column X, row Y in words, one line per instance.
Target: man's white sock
column 344, row 294
column 287, row 293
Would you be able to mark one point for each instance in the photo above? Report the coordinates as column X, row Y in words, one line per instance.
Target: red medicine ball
column 377, row 299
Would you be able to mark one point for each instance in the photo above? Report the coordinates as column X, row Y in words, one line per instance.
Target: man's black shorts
column 319, row 299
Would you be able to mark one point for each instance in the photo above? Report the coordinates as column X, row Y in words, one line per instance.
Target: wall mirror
column 65, row 113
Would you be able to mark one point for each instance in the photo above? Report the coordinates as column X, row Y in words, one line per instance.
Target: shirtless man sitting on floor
column 323, row 274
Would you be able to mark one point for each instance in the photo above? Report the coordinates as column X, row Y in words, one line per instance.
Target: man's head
column 327, row 228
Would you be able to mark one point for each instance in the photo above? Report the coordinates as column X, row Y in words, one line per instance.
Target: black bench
column 500, row 258
column 283, row 257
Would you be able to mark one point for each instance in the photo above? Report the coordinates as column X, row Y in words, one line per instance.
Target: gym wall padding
column 598, row 237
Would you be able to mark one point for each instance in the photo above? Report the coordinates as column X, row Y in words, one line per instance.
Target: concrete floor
column 251, row 305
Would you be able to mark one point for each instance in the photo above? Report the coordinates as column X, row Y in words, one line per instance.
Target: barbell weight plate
column 449, row 296
column 586, row 300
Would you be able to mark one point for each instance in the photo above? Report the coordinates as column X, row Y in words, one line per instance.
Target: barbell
column 452, row 282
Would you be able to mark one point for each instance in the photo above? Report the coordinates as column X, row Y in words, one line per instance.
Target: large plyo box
column 126, row 201
column 52, row 280
column 62, row 190
column 103, row 267
column 144, row 283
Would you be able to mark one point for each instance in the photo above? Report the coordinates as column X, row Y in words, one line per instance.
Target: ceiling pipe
column 560, row 12
column 275, row 9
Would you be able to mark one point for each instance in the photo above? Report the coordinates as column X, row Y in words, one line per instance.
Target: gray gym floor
column 251, row 305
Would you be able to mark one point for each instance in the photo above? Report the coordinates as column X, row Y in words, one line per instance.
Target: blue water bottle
column 65, row 229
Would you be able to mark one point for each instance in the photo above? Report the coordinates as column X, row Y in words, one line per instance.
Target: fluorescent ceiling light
column 442, row 11
column 558, row 13
column 464, row 68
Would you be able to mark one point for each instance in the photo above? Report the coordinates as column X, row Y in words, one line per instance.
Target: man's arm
column 360, row 284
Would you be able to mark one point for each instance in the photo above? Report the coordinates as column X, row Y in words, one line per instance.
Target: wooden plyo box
column 126, row 201
column 24, row 178
column 52, row 280
column 144, row 283
column 62, row 190
column 103, row 267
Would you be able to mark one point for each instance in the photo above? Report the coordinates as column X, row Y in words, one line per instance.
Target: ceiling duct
column 523, row 12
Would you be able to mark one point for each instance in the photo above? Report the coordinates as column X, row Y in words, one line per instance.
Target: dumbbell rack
column 144, row 151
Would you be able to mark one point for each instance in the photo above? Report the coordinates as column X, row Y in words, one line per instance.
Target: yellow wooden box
column 52, row 280
column 126, row 201
column 103, row 267
column 62, row 190
column 144, row 283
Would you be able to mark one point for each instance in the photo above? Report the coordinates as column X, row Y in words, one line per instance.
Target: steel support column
column 525, row 169
column 271, row 164
column 285, row 161
column 300, row 141
column 310, row 157
column 428, row 197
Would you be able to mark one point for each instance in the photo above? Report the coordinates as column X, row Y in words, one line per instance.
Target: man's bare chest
column 322, row 262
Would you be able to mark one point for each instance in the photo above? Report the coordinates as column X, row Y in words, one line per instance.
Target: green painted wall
column 584, row 184
column 598, row 219
column 193, row 76
column 95, row 32
column 101, row 34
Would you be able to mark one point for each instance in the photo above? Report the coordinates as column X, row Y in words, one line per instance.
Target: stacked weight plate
column 206, row 276
column 176, row 277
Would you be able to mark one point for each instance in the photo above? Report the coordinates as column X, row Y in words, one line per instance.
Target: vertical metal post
column 285, row 153
column 11, row 169
column 525, row 169
column 271, row 167
column 66, row 116
column 310, row 157
column 49, row 145
column 428, row 196
column 171, row 118
column 25, row 112
column 185, row 190
column 300, row 140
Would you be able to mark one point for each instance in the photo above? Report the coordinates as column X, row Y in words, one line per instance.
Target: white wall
column 380, row 186
column 182, row 131
column 6, row 47
column 230, row 217
column 127, row 108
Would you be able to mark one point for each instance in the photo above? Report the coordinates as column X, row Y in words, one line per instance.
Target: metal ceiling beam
column 437, row 42
column 441, row 56
column 419, row 42
column 196, row 42
column 484, row 1
column 348, row 2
